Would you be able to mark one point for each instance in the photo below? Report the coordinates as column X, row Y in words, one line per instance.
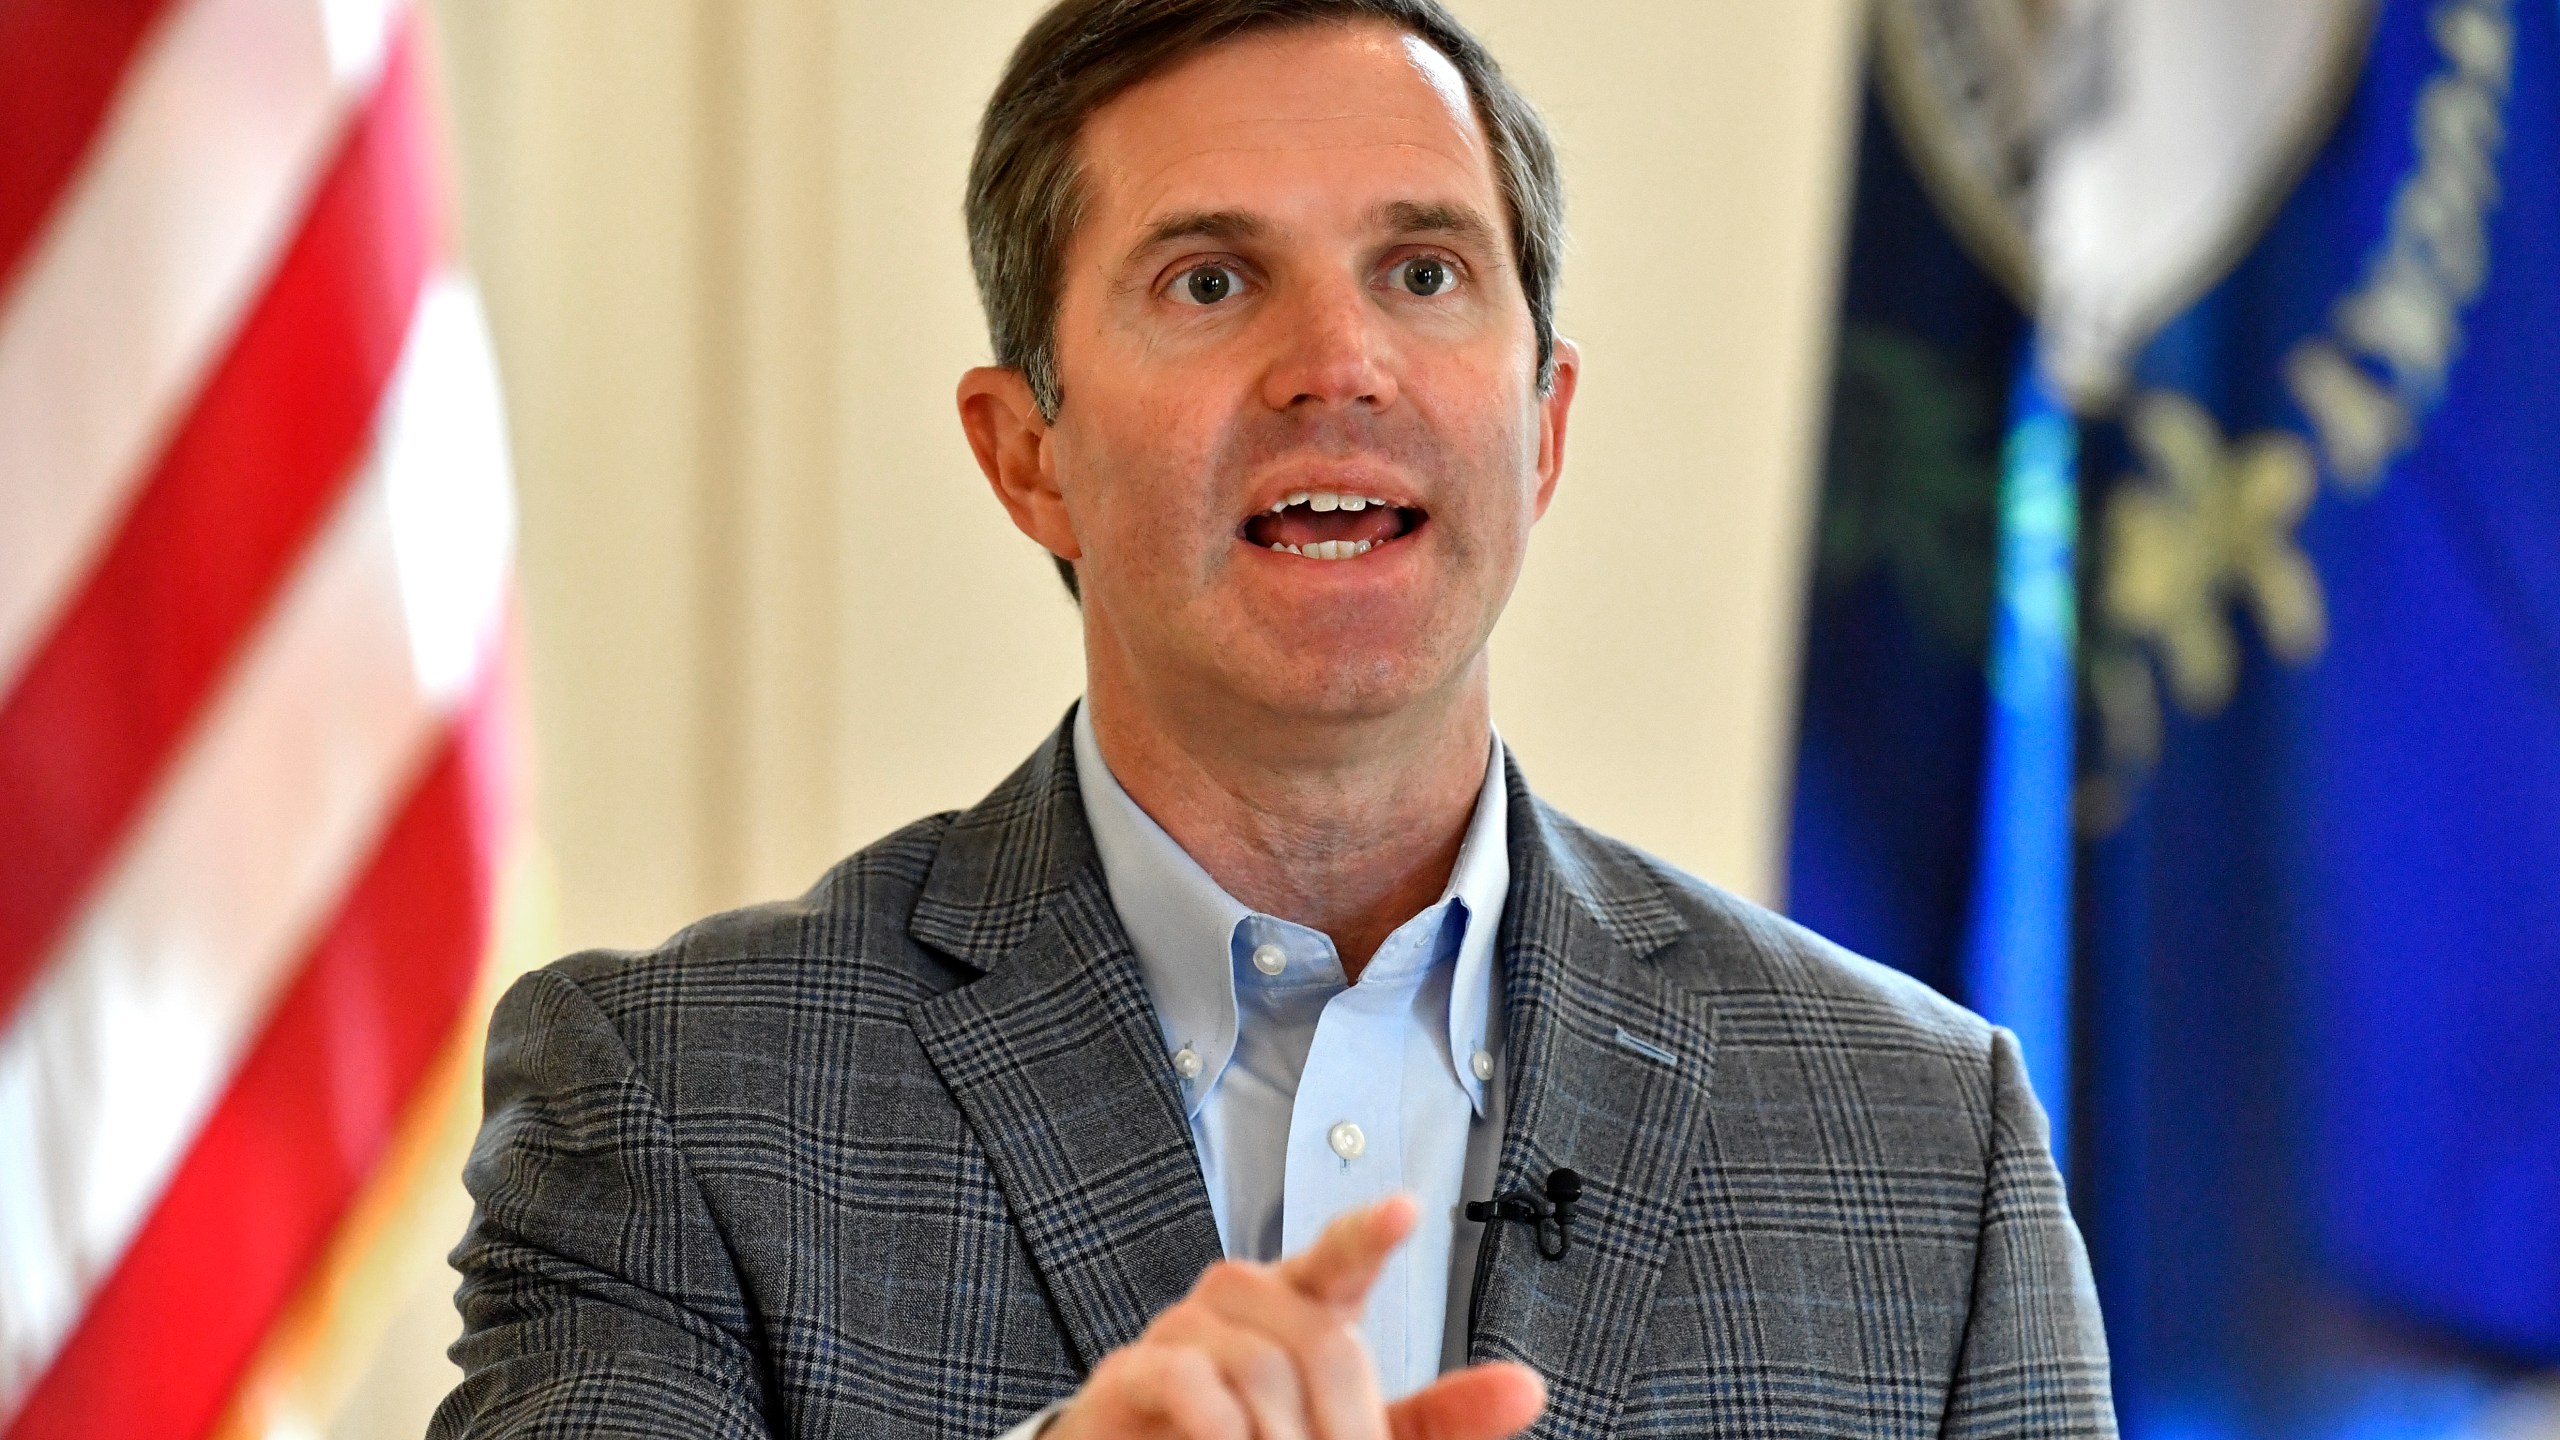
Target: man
column 1269, row 953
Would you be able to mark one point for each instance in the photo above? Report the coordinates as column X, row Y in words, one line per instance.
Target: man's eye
column 1427, row 275
column 1207, row 285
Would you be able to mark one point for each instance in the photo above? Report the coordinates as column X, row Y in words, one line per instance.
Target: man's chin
column 1248, row 660
column 1339, row 687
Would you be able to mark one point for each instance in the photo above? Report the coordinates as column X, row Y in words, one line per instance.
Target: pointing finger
column 1344, row 1262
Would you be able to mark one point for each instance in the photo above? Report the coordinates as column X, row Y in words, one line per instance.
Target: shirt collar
column 1182, row 924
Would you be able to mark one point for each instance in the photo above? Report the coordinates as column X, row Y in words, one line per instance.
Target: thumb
column 1343, row 1263
column 1481, row 1402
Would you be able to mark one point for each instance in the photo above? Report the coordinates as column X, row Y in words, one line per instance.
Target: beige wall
column 772, row 611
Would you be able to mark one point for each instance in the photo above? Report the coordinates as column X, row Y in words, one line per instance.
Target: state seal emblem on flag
column 2108, row 160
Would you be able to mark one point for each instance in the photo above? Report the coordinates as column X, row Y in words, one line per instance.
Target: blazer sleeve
column 598, row 1296
column 2034, row 1360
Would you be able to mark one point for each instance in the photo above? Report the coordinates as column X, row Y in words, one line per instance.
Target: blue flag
column 2313, row 984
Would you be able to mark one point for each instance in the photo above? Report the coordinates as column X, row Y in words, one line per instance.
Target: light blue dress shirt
column 1310, row 1096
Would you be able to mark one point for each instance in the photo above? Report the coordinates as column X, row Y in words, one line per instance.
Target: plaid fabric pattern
column 905, row 1157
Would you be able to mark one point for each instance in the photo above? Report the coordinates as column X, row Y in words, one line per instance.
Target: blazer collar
column 1005, row 862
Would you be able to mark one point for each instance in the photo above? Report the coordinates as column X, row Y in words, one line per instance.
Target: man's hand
column 1272, row 1352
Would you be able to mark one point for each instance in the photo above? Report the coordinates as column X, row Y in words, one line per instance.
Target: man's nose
column 1332, row 350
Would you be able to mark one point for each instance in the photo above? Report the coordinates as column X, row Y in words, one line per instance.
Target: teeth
column 1331, row 549
column 1326, row 500
column 1321, row 501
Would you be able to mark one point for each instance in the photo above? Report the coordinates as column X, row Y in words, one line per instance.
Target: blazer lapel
column 1608, row 1070
column 1055, row 1057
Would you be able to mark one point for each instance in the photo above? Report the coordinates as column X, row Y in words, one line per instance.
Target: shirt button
column 1186, row 1063
column 1346, row 1140
column 1270, row 959
column 1482, row 1064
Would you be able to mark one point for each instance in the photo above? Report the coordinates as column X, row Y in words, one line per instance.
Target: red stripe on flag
column 270, row 446
column 166, row 1337
column 61, row 62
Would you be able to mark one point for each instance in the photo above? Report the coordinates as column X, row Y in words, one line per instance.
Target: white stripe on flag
column 137, row 283
column 132, row 1031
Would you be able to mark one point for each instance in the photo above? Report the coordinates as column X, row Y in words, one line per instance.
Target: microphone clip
column 1548, row 1214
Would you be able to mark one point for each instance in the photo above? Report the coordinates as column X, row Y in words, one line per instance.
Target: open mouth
column 1330, row 525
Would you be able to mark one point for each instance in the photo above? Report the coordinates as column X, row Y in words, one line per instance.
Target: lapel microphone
column 1547, row 1214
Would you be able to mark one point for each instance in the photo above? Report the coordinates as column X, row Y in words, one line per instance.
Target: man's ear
column 1011, row 440
column 1554, row 409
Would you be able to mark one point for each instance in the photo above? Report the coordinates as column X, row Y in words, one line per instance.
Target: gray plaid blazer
column 905, row 1158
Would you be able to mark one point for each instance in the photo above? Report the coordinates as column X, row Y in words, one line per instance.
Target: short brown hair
column 1025, row 199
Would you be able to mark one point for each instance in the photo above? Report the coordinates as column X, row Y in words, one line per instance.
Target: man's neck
column 1348, row 829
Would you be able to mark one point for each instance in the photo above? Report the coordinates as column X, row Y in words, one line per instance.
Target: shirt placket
column 1346, row 1134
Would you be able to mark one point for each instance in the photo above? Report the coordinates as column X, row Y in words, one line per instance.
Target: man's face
column 1301, row 443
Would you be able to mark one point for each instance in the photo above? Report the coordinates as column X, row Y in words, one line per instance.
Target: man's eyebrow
column 1219, row 225
column 1458, row 222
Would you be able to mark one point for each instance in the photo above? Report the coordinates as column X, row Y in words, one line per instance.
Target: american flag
column 255, row 541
